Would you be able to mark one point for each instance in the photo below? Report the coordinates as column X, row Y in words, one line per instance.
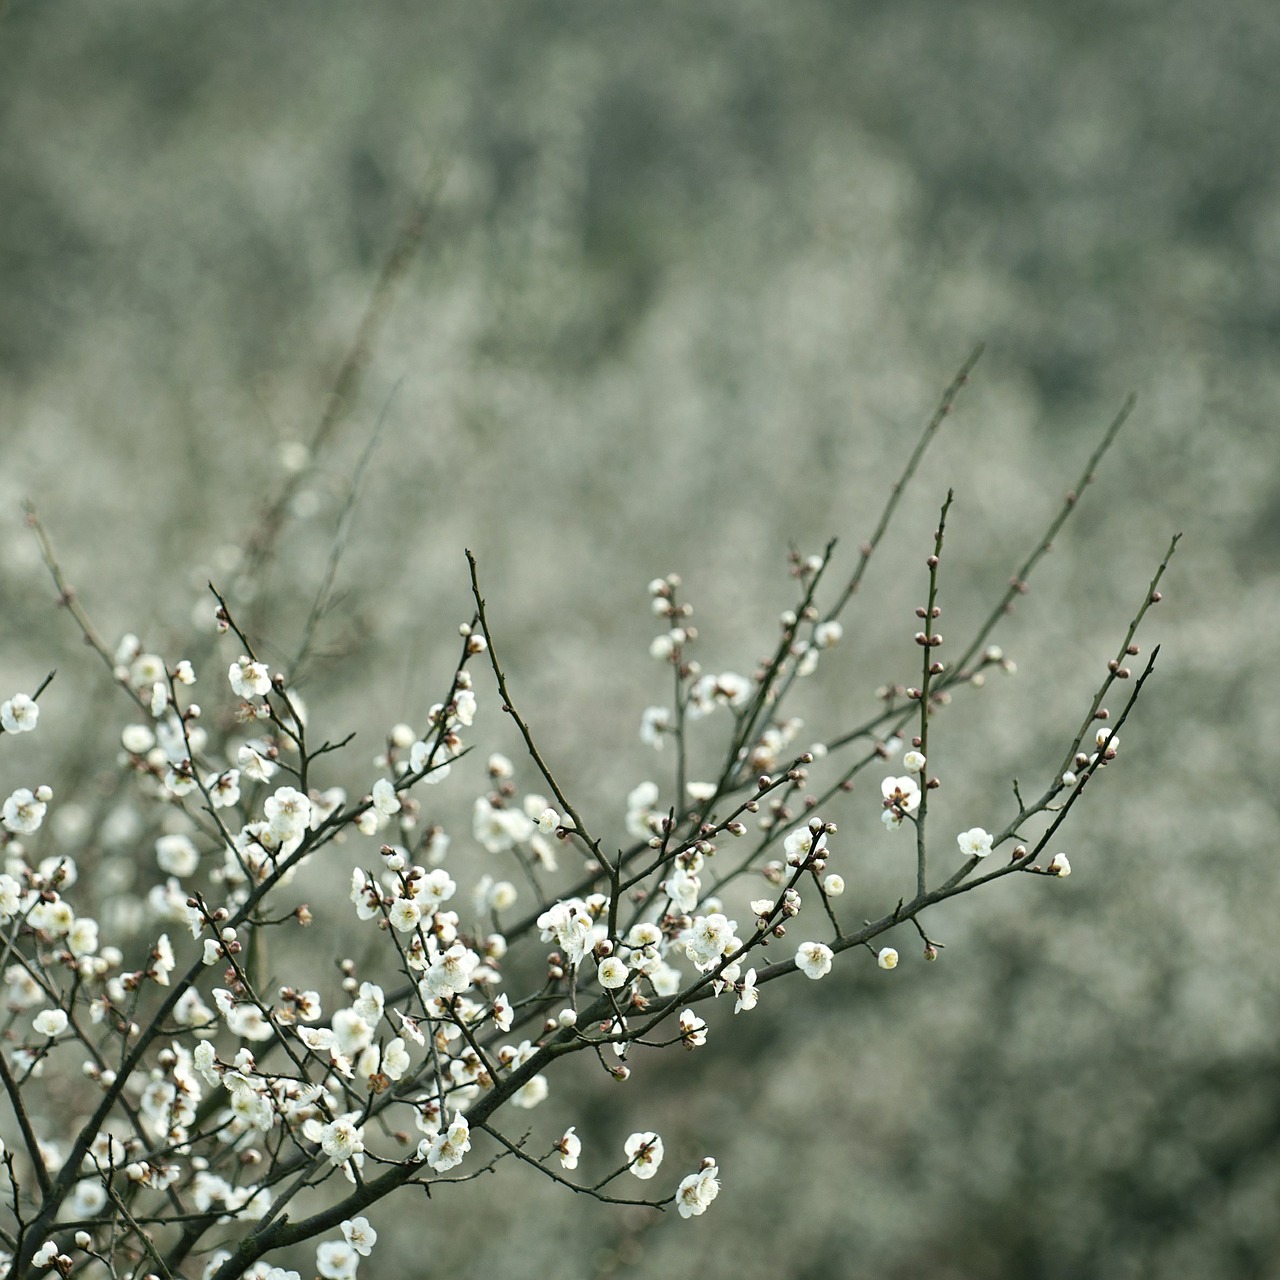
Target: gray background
column 694, row 277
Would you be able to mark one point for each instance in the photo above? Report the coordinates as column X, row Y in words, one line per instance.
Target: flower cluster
column 491, row 944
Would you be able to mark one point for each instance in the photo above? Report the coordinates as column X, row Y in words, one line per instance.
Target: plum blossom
column 698, row 1190
column 684, row 889
column 254, row 761
column 19, row 713
column 900, row 794
column 748, row 994
column 404, row 915
column 10, row 898
column 726, row 690
column 570, row 924
column 654, row 724
column 224, row 789
column 693, row 1030
column 569, row 1148
column 288, row 813
column 50, row 1022
column 826, row 635
column 799, row 843
column 365, row 895
column 342, row 1138
column 451, row 973
column 336, row 1260
column 360, row 1235
column 249, row 679
column 447, row 1148
column 503, row 1013
column 643, row 819
column 975, row 843
column 499, row 829
column 464, row 707
column 813, row 959
column 385, row 800
column 24, row 811
column 644, row 1151
column 162, row 961
column 709, row 939
column 176, row 855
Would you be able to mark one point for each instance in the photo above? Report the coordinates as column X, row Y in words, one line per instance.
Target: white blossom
column 342, row 1139
column 798, row 844
column 360, row 1235
column 684, row 889
column 887, row 958
column 975, row 843
column 336, row 1260
column 176, row 855
column 10, row 898
column 254, row 762
column 813, row 959
column 499, row 829
column 826, row 635
column 146, row 669
column 654, row 724
column 464, row 707
column 224, row 789
column 569, row 923
column 644, row 1151
column 693, row 1030
column 19, row 713
column 698, row 1190
column 708, row 939
column 50, row 1022
column 162, row 960
column 503, row 1013
column 404, row 915
column 451, row 973
column 288, row 812
column 137, row 739
column 902, row 794
column 447, row 1148
column 385, row 800
column 570, row 1148
column 726, row 690
column 23, row 812
column 249, row 679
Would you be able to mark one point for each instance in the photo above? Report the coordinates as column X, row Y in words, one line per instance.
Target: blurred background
column 691, row 280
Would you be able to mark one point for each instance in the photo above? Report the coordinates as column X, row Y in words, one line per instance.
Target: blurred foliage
column 693, row 276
